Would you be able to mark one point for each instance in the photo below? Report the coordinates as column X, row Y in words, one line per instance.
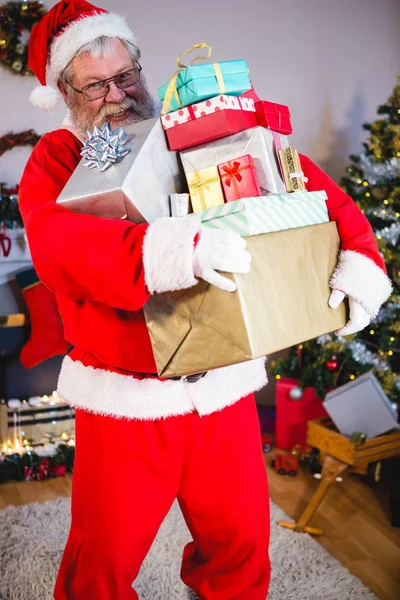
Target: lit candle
column 17, row 446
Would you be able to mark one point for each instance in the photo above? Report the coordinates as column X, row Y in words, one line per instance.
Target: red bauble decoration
column 332, row 364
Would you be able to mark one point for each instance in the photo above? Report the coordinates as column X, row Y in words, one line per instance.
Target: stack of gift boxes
column 240, row 173
column 240, row 169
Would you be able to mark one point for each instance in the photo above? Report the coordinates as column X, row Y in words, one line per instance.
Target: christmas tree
column 373, row 181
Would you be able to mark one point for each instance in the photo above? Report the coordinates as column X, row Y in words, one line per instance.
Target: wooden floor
column 354, row 517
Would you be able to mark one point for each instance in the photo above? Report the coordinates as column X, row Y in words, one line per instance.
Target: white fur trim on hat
column 361, row 279
column 168, row 254
column 82, row 31
column 44, row 97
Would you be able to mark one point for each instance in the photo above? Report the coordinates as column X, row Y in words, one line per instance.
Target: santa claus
column 142, row 442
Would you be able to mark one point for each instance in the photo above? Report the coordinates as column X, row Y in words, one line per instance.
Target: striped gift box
column 264, row 214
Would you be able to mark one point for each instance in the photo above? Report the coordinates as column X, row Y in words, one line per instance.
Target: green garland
column 9, row 212
column 32, row 467
column 16, row 18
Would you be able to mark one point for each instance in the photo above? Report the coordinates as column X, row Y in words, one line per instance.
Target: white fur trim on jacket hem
column 168, row 254
column 122, row 396
column 360, row 278
column 82, row 31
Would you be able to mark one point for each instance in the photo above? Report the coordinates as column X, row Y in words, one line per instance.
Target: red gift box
column 274, row 116
column 239, row 178
column 292, row 415
column 210, row 127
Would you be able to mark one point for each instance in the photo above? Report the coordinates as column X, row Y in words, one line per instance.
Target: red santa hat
column 60, row 34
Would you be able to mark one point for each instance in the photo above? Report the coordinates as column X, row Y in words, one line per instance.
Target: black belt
column 190, row 378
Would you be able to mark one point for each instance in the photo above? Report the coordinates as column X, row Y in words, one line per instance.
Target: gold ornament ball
column 17, row 65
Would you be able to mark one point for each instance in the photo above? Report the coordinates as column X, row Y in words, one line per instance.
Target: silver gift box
column 137, row 188
column 257, row 141
column 361, row 405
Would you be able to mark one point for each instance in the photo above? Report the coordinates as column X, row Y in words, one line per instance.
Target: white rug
column 32, row 539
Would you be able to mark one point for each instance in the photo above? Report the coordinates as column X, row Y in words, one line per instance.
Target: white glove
column 220, row 250
column 359, row 318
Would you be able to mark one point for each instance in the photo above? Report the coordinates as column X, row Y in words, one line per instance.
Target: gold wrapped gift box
column 283, row 301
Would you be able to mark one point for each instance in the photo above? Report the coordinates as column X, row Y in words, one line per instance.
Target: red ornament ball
column 332, row 364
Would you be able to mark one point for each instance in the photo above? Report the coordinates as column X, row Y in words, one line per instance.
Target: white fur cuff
column 361, row 279
column 168, row 254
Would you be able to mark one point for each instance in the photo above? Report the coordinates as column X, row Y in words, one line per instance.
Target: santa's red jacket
column 103, row 271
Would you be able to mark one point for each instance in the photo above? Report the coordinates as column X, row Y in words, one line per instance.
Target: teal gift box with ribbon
column 196, row 83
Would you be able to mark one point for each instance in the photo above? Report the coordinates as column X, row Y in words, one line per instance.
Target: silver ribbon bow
column 104, row 147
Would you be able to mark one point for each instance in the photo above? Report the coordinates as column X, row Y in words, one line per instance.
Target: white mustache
column 117, row 109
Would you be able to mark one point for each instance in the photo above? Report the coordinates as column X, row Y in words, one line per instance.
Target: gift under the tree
column 260, row 317
column 265, row 214
column 291, row 170
column 135, row 185
column 259, row 142
column 295, row 406
column 205, row 188
column 274, row 116
column 200, row 82
column 239, row 178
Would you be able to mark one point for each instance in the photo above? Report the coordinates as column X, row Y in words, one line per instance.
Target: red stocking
column 47, row 335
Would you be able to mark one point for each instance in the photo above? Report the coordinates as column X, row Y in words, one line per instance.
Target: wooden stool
column 339, row 455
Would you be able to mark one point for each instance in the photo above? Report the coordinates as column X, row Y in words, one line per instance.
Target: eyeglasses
column 100, row 89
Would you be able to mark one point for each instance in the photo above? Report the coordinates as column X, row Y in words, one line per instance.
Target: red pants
column 127, row 475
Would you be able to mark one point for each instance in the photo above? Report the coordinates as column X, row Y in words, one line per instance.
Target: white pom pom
column 44, row 97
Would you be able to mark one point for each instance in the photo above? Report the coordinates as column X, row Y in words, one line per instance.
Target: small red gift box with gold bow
column 239, row 178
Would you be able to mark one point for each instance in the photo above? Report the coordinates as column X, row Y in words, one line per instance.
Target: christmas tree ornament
column 17, row 65
column 296, row 393
column 332, row 364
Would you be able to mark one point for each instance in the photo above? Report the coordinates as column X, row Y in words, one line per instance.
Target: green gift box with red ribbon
column 239, row 178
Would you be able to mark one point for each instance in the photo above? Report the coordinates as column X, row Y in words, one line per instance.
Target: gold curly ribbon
column 172, row 92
